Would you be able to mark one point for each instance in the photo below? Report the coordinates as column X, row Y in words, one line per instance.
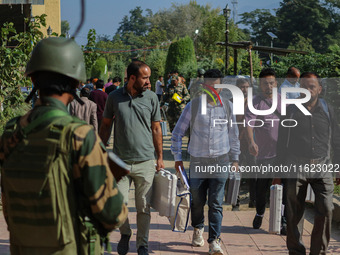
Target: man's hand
column 234, row 167
column 179, row 164
column 159, row 165
column 253, row 149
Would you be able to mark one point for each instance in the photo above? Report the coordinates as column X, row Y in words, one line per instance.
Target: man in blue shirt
column 212, row 146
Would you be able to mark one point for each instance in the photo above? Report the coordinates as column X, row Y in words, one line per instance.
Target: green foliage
column 299, row 24
column 135, row 24
column 301, row 43
column 99, row 69
column 181, row 57
column 181, row 20
column 260, row 21
column 65, row 27
column 110, row 51
column 156, row 61
column 245, row 66
column 313, row 19
column 117, row 69
column 13, row 61
column 90, row 55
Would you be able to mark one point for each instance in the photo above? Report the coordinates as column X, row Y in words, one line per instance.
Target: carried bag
column 310, row 196
column 233, row 188
column 163, row 198
column 164, row 128
column 179, row 222
column 275, row 209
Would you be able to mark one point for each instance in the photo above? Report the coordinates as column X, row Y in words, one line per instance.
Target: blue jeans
column 214, row 188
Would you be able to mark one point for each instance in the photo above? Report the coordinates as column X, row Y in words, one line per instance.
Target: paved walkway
column 238, row 236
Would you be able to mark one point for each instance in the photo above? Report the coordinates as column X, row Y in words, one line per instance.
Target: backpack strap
column 45, row 117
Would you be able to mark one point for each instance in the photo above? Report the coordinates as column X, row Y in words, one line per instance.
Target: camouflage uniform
column 175, row 108
column 95, row 188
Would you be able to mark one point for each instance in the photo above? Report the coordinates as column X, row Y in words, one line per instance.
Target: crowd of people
column 56, row 177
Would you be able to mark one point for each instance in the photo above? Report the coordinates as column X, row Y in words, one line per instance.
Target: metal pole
column 226, row 46
column 271, row 54
column 235, row 61
column 250, row 65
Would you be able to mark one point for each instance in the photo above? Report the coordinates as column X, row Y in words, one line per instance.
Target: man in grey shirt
column 137, row 135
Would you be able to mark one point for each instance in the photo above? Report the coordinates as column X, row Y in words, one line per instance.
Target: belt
column 310, row 160
column 211, row 159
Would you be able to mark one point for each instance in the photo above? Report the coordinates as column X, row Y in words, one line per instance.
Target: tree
column 136, row 24
column 99, row 69
column 118, row 69
column 181, row 57
column 301, row 43
column 13, row 62
column 180, row 20
column 90, row 55
column 313, row 18
column 65, row 27
column 260, row 21
column 156, row 61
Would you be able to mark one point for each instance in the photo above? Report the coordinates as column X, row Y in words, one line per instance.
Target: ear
column 133, row 77
column 319, row 89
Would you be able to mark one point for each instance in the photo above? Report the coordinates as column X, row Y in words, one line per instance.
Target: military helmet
column 60, row 55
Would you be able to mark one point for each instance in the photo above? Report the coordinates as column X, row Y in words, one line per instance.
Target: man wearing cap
column 178, row 98
column 59, row 194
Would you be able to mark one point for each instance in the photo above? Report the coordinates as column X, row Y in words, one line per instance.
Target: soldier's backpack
column 38, row 183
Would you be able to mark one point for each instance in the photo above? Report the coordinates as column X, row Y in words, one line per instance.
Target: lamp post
column 195, row 40
column 226, row 13
column 272, row 36
column 49, row 31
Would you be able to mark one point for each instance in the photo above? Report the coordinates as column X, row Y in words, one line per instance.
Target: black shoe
column 252, row 204
column 283, row 231
column 123, row 245
column 257, row 222
column 142, row 251
column 235, row 208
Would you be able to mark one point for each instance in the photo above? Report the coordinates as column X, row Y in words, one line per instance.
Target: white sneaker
column 197, row 237
column 215, row 247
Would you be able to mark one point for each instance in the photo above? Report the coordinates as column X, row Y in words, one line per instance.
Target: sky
column 104, row 15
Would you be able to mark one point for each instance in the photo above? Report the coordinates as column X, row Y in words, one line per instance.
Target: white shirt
column 287, row 84
column 159, row 89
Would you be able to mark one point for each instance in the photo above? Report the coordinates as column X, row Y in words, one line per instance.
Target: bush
column 118, row 69
column 99, row 69
column 181, row 57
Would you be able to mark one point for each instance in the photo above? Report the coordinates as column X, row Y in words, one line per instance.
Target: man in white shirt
column 159, row 87
column 291, row 81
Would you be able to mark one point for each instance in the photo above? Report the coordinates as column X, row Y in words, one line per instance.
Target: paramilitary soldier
column 59, row 195
column 178, row 98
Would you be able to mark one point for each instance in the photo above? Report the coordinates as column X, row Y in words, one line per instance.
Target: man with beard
column 137, row 134
column 307, row 145
column 262, row 136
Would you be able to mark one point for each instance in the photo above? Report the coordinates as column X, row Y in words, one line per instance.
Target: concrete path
column 238, row 237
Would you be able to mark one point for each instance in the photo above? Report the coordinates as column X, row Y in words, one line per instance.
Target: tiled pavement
column 238, row 237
